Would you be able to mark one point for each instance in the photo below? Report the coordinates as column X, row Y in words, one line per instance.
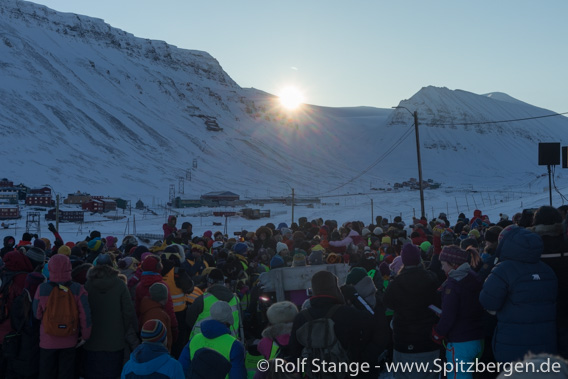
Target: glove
column 51, row 228
column 436, row 337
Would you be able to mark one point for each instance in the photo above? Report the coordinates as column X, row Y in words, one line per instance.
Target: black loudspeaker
column 548, row 153
column 564, row 156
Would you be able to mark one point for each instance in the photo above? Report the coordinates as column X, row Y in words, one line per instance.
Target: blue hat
column 240, row 248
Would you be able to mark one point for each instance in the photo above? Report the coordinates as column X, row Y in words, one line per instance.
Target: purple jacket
column 461, row 311
column 60, row 272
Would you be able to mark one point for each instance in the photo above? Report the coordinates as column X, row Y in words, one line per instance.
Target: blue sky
column 364, row 53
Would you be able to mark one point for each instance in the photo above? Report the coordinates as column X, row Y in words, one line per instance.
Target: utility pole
column 292, row 206
column 419, row 163
column 420, row 185
column 57, row 212
column 372, row 215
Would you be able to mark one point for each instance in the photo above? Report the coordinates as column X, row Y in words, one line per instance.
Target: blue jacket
column 151, row 360
column 522, row 290
column 212, row 329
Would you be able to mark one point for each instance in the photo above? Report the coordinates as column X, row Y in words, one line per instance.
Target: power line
column 376, row 162
column 497, row 122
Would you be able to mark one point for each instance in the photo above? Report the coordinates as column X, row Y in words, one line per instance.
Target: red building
column 9, row 211
column 6, row 183
column 99, row 205
column 39, row 196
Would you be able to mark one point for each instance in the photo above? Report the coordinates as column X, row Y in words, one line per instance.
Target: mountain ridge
column 94, row 108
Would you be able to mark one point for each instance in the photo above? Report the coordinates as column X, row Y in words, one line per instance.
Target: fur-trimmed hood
column 264, row 229
column 548, row 230
column 276, row 330
column 102, row 277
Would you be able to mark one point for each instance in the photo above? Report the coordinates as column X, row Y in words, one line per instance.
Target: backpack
column 320, row 342
column 20, row 314
column 61, row 316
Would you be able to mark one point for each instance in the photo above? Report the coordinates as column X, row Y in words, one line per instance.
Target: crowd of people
column 192, row 306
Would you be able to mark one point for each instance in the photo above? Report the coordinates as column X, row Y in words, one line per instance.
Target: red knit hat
column 150, row 264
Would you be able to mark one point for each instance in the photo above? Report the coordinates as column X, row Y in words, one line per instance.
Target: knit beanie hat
column 102, row 260
column 281, row 246
column 158, row 292
column 240, row 248
column 64, row 249
column 454, row 255
column 150, row 264
column 324, row 283
column 282, row 312
column 39, row 243
column 386, row 240
column 215, row 276
column 470, row 241
column 277, row 262
column 410, row 255
column 222, row 312
column 474, row 233
column 316, row 257
column 378, row 231
column 153, row 331
column 384, row 269
column 96, row 244
column 36, row 255
column 492, row 233
column 447, row 238
column 396, row 265
column 365, row 232
column 355, row 275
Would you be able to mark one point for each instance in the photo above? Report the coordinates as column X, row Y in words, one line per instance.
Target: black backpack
column 320, row 342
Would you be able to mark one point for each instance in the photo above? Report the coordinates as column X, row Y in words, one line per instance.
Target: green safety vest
column 208, row 301
column 251, row 364
column 221, row 344
column 274, row 350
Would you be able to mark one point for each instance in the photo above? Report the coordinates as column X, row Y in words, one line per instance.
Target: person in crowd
column 153, row 307
column 216, row 291
column 409, row 295
column 151, row 269
column 169, row 228
column 460, row 324
column 112, row 312
column 151, row 358
column 215, row 352
column 521, row 290
column 351, row 325
column 57, row 353
column 276, row 335
column 9, row 244
column 547, row 223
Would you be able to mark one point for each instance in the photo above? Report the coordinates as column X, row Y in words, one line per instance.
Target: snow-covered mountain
column 89, row 107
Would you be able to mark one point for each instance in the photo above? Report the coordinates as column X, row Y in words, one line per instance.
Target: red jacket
column 143, row 290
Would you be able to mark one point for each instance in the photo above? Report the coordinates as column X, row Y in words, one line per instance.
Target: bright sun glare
column 291, row 98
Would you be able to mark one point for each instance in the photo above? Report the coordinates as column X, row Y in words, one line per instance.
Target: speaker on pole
column 548, row 153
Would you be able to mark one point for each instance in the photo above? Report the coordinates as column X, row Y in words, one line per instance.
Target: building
column 99, row 205
column 39, row 196
column 6, row 183
column 77, row 198
column 65, row 216
column 10, row 197
column 219, row 198
column 187, row 203
column 9, row 211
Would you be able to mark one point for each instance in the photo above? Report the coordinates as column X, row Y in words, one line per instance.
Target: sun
column 291, row 97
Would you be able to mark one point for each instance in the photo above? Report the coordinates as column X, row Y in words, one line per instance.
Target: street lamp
column 415, row 115
column 292, row 188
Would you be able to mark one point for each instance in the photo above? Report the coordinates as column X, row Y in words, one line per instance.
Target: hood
column 477, row 213
column 9, row 241
column 16, row 261
column 352, row 234
column 519, row 244
column 148, row 358
column 220, row 292
column 548, row 230
column 102, row 277
column 59, row 267
column 276, row 330
column 367, row 290
column 213, row 329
